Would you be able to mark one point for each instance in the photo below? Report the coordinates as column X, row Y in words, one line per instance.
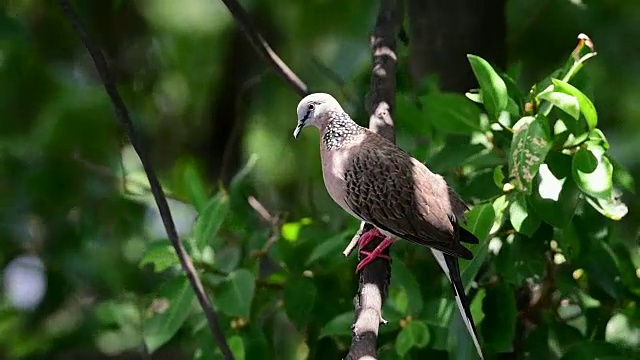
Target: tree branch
column 165, row 213
column 263, row 48
column 380, row 104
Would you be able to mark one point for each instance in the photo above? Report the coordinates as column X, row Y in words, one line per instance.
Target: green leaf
column 237, row 347
column 586, row 106
column 195, row 187
column 480, row 220
column 568, row 132
column 411, row 117
column 499, row 205
column 255, row 342
column 592, row 349
column 331, row 246
column 556, row 195
column 209, row 350
column 286, row 342
column 492, row 88
column 565, row 102
column 523, row 220
column 290, row 231
column 596, row 138
column 12, row 30
column 415, row 334
column 499, row 325
column 530, row 145
column 210, row 219
column 498, row 176
column 519, row 259
column 456, row 151
column 170, row 310
column 121, row 313
column 569, row 242
column 593, row 172
column 399, row 299
column 161, row 255
column 405, row 288
column 338, row 326
column 624, row 330
column 299, row 299
column 438, row 311
column 474, row 96
column 613, row 208
column 451, row 113
column 602, row 271
column 228, row 258
column 235, row 295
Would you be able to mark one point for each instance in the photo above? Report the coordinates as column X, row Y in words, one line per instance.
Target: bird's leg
column 377, row 252
column 366, row 238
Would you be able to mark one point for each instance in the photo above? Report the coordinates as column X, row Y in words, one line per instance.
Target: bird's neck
column 339, row 131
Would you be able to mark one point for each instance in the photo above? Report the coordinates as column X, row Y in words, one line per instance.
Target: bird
column 375, row 181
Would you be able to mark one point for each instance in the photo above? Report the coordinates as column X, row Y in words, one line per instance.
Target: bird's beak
column 297, row 130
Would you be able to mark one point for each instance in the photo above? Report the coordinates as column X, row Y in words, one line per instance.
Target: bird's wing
column 389, row 189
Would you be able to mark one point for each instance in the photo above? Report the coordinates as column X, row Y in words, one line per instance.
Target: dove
column 376, row 182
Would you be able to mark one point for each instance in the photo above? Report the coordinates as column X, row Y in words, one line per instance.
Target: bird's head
column 314, row 110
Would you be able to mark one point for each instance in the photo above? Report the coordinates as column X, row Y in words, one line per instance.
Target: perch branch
column 163, row 207
column 380, row 104
column 263, row 48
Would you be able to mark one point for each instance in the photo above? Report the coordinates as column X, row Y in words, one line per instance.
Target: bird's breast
column 334, row 165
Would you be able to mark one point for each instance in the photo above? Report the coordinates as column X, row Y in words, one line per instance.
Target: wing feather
column 396, row 193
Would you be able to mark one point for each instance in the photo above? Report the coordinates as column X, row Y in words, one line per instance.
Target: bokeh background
column 77, row 217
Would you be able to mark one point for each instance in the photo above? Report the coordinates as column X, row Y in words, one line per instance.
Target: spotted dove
column 376, row 182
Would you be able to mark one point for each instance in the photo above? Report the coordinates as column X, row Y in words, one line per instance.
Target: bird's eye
column 311, row 107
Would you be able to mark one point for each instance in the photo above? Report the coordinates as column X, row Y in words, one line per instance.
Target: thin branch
column 380, row 104
column 260, row 209
column 263, row 48
column 123, row 116
column 123, row 180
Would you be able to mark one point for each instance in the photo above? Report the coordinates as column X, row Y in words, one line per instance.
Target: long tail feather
column 450, row 266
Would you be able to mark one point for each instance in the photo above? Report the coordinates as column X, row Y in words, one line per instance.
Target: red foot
column 368, row 236
column 377, row 252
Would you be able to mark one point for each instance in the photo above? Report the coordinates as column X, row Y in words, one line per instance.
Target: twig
column 354, row 240
column 263, row 48
column 274, row 221
column 106, row 172
column 375, row 277
column 123, row 116
column 274, row 235
column 260, row 209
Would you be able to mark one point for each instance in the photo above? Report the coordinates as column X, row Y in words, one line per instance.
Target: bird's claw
column 376, row 253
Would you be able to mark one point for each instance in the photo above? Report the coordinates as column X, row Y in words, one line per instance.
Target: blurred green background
column 85, row 261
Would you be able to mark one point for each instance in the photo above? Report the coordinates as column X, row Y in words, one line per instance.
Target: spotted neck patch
column 340, row 131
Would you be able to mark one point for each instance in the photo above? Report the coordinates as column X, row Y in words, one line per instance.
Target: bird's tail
column 450, row 266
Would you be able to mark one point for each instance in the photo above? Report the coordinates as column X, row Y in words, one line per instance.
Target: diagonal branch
column 263, row 48
column 380, row 104
column 123, row 116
